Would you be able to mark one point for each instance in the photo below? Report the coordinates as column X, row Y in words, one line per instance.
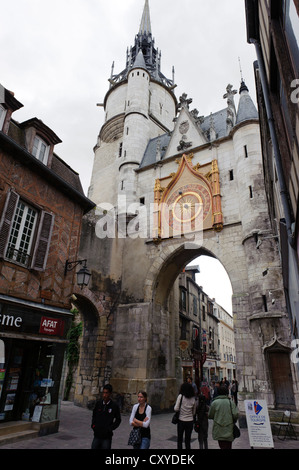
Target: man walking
column 105, row 418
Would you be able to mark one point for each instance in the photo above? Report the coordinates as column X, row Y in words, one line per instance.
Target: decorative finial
column 241, row 73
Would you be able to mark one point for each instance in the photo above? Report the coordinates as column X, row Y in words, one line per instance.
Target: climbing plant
column 72, row 352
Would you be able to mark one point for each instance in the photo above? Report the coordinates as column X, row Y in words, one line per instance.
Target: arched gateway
column 171, row 185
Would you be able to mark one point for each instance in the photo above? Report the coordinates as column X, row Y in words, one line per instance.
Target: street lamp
column 83, row 275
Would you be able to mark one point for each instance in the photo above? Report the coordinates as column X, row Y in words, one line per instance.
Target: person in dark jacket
column 202, row 422
column 105, row 419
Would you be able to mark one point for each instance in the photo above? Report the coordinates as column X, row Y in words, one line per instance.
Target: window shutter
column 42, row 245
column 6, row 219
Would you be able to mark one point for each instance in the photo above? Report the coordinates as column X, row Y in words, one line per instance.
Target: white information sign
column 258, row 424
column 37, row 414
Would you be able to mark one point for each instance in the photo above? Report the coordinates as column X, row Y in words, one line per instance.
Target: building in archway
column 171, row 185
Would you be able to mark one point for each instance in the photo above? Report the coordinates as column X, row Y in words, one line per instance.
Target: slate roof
column 17, row 133
column 157, row 147
column 246, row 108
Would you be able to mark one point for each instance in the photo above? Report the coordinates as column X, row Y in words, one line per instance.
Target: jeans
column 99, row 443
column 145, row 443
column 184, row 427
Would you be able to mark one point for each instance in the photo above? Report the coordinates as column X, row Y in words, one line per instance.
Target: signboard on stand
column 258, row 423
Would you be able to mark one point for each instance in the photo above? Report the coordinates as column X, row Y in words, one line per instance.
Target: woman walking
column 186, row 405
column 224, row 413
column 141, row 417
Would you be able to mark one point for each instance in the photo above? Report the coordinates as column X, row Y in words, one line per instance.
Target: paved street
column 75, row 433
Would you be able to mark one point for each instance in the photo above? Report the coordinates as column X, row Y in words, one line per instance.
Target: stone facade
column 152, row 155
column 41, row 209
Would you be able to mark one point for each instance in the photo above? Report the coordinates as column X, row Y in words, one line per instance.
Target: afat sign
column 258, row 423
column 51, row 326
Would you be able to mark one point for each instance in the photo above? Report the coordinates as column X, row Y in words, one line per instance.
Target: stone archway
column 152, row 326
column 92, row 346
column 145, row 338
column 165, row 318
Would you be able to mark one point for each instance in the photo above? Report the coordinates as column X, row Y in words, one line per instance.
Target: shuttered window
column 25, row 233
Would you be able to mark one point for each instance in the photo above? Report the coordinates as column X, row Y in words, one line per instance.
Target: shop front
column 33, row 340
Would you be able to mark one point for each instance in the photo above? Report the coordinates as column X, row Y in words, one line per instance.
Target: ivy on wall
column 72, row 352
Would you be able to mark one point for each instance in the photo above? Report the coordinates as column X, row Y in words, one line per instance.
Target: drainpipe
column 277, row 154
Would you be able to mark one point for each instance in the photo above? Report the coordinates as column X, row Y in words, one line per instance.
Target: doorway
column 281, row 375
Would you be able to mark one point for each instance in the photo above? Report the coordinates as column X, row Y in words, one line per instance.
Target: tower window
column 245, row 151
column 250, row 192
column 231, row 175
column 120, row 149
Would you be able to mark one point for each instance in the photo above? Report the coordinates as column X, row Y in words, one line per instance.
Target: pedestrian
column 234, row 391
column 205, row 390
column 224, row 414
column 190, row 381
column 105, row 419
column 202, row 421
column 216, row 390
column 186, row 405
column 141, row 418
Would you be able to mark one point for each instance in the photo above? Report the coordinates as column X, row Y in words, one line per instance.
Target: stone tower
column 139, row 105
column 160, row 167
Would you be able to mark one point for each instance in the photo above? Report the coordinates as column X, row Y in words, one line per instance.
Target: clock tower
column 171, row 185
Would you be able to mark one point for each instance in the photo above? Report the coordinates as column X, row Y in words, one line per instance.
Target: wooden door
column 281, row 375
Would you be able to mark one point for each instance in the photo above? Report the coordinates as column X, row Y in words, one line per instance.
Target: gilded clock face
column 187, row 206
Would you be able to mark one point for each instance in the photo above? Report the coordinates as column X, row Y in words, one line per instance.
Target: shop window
column 30, row 381
column 40, row 150
column 25, row 233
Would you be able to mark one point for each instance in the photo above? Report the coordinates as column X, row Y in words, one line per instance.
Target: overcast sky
column 56, row 57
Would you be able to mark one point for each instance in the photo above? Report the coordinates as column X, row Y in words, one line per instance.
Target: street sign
column 258, row 424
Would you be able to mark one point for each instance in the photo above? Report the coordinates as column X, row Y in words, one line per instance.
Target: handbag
column 196, row 426
column 236, row 430
column 134, row 437
column 175, row 418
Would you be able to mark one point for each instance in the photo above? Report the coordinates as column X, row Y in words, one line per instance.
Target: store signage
column 51, row 326
column 258, row 423
column 10, row 320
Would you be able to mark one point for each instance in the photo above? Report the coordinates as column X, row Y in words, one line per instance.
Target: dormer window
column 2, row 116
column 40, row 150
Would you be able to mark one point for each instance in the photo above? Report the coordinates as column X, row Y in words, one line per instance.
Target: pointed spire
column 246, row 108
column 151, row 56
column 139, row 61
column 145, row 25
